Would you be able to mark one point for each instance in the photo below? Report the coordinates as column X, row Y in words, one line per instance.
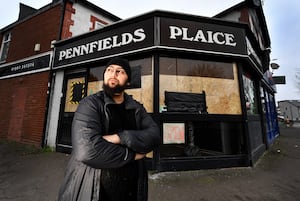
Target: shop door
column 74, row 91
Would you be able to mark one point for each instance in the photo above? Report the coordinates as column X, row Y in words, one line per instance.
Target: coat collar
column 130, row 103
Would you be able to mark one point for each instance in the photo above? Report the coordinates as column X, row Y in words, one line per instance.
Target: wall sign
column 202, row 36
column 104, row 43
column 151, row 33
column 25, row 66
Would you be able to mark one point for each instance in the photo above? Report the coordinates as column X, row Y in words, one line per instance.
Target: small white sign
column 173, row 133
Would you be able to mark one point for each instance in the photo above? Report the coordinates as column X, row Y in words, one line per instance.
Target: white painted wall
column 233, row 16
column 81, row 18
column 82, row 24
column 54, row 107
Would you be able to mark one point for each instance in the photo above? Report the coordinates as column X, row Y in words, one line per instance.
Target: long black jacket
column 91, row 152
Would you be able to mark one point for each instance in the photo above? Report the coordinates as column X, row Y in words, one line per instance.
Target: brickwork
column 23, row 99
column 94, row 20
column 67, row 21
column 244, row 15
column 42, row 29
column 23, row 106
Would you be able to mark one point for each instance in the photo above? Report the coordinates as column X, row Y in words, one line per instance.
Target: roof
column 27, row 12
column 96, row 8
column 259, row 12
column 155, row 13
column 295, row 103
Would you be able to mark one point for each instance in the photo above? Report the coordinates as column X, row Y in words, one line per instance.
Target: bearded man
column 111, row 134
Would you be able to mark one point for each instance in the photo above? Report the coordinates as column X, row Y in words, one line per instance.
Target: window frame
column 5, row 46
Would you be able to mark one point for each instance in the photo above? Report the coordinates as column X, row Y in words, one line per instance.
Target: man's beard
column 113, row 91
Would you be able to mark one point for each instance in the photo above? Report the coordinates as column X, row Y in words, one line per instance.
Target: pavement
column 31, row 174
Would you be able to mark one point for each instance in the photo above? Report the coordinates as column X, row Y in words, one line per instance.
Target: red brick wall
column 244, row 15
column 67, row 21
column 42, row 29
column 22, row 108
column 94, row 20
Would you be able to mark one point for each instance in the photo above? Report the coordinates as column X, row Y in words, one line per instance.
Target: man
column 111, row 133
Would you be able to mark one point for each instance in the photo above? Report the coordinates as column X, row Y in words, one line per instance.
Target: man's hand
column 115, row 139
column 139, row 156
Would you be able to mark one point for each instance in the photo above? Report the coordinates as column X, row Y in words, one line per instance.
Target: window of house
column 99, row 25
column 4, row 46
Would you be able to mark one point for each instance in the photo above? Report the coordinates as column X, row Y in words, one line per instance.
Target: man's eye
column 121, row 72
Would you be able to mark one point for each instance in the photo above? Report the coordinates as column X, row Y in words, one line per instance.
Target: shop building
column 200, row 78
column 26, row 53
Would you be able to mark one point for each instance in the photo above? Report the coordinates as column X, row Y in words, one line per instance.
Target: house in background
column 290, row 109
column 25, row 63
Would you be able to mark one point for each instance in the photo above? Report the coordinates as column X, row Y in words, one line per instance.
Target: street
column 27, row 174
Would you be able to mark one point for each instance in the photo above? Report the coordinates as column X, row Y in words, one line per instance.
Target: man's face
column 115, row 79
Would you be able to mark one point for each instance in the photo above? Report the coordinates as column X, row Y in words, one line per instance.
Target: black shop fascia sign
column 203, row 37
column 154, row 32
column 26, row 66
column 99, row 44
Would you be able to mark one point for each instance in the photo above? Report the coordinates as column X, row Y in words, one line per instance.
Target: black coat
column 91, row 152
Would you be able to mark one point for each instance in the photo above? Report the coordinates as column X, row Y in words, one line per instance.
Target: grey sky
column 282, row 18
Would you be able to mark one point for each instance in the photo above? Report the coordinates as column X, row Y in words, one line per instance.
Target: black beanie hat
column 123, row 63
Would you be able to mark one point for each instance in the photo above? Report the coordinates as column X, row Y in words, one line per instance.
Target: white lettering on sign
column 23, row 66
column 214, row 37
column 104, row 44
